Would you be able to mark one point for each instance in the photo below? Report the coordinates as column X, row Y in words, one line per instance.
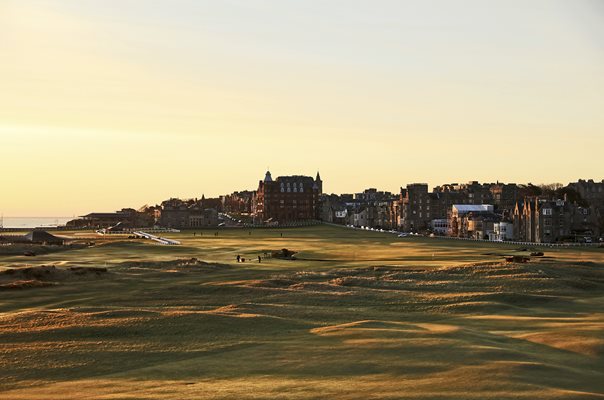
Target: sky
column 110, row 104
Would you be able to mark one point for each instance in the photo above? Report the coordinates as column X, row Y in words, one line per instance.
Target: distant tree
column 530, row 190
column 550, row 188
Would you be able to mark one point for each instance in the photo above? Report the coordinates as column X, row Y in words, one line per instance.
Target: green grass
column 318, row 247
column 359, row 315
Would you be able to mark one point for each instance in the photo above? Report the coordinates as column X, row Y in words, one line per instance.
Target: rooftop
column 465, row 208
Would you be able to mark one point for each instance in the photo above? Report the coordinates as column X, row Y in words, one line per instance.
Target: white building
column 502, row 231
column 440, row 226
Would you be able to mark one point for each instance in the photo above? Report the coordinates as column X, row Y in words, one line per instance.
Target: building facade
column 188, row 214
column 287, row 199
column 474, row 221
column 416, row 212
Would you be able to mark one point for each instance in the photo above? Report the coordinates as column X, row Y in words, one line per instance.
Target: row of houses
column 494, row 211
column 172, row 213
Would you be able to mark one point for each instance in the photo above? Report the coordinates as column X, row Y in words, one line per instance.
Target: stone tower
column 319, row 183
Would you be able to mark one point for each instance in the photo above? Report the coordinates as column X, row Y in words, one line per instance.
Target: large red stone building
column 287, row 198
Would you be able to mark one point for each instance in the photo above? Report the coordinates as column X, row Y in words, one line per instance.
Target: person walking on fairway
column 238, row 258
column 259, row 259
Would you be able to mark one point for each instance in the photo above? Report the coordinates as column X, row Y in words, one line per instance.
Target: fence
column 134, row 230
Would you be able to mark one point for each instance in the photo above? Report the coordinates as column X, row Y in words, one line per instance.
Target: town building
column 239, row 203
column 474, row 221
column 36, row 236
column 440, row 226
column 415, row 208
column 504, row 195
column 188, row 214
column 524, row 219
column 502, row 231
column 543, row 220
column 287, row 199
column 590, row 191
column 126, row 217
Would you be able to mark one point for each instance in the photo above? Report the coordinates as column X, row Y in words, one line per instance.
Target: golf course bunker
column 176, row 265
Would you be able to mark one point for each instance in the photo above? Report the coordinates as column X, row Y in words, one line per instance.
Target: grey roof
column 41, row 236
column 308, row 180
column 465, row 208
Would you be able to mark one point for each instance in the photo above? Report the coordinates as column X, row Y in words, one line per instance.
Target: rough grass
column 390, row 322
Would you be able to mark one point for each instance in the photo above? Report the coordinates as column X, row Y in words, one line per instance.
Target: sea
column 33, row 222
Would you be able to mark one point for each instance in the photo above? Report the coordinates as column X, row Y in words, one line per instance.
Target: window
column 547, row 211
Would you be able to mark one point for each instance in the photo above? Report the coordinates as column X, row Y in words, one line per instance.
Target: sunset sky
column 111, row 104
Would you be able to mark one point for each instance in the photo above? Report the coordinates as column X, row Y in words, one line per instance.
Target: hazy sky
column 105, row 104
